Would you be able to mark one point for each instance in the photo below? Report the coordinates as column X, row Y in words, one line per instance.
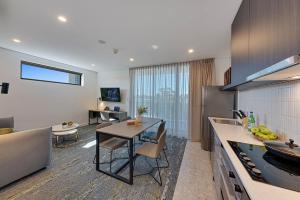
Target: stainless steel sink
column 227, row 121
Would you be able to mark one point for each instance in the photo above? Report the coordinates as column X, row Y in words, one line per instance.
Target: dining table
column 128, row 132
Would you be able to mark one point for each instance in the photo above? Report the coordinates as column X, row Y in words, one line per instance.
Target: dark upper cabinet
column 239, row 44
column 270, row 30
column 264, row 32
column 295, row 26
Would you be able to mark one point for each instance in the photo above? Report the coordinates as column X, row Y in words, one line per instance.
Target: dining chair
column 153, row 151
column 111, row 144
column 153, row 136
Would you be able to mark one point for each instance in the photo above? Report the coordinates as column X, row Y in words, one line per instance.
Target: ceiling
column 132, row 26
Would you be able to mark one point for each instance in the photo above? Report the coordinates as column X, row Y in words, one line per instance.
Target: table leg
column 97, row 150
column 89, row 117
column 98, row 117
column 131, row 161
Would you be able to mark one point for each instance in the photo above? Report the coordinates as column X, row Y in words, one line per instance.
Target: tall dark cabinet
column 264, row 32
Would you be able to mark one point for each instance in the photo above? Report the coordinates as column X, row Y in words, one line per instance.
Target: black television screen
column 110, row 94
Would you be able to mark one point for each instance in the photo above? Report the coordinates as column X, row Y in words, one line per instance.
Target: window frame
column 50, row 68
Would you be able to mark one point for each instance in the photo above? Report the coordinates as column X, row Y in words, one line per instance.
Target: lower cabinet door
column 226, row 190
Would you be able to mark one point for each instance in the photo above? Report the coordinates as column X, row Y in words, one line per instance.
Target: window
column 164, row 89
column 37, row 72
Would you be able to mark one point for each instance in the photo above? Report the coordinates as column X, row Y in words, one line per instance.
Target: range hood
column 288, row 69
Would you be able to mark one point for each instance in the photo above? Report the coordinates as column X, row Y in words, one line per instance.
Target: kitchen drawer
column 234, row 180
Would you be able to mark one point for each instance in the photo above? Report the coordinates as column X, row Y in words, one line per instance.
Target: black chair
column 117, row 108
column 153, row 136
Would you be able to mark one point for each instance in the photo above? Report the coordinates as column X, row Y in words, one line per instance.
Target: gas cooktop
column 265, row 167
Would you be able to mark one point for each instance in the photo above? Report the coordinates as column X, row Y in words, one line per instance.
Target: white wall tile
column 277, row 106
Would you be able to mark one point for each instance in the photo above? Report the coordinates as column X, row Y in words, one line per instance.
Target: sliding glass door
column 164, row 90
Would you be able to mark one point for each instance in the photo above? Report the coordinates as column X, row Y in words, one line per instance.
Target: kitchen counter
column 256, row 190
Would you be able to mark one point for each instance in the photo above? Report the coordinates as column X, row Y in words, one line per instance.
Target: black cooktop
column 265, row 167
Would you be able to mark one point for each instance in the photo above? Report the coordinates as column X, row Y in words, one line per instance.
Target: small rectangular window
column 37, row 72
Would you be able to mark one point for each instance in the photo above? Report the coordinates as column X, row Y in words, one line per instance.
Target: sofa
column 23, row 152
column 7, row 122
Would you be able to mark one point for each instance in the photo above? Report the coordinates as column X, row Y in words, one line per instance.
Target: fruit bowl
column 262, row 133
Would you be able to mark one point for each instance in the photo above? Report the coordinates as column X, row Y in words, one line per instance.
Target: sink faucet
column 237, row 112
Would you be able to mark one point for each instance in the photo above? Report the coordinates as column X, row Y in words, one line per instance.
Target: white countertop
column 256, row 190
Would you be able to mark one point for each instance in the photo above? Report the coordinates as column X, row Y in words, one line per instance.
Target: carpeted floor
column 72, row 175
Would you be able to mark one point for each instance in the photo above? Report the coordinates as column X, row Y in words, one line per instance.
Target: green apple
column 265, row 131
column 254, row 130
column 262, row 126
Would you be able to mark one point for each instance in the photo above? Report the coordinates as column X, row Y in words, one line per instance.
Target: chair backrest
column 7, row 122
column 161, row 143
column 160, row 129
column 117, row 108
column 104, row 117
column 102, row 136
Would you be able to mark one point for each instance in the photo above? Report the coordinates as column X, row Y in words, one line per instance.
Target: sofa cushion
column 4, row 131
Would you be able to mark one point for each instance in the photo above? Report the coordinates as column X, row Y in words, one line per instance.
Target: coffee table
column 60, row 130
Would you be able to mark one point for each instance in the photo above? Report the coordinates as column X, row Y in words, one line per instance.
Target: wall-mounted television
column 110, row 94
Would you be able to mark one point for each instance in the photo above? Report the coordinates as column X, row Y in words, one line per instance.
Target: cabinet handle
column 231, row 174
column 237, row 188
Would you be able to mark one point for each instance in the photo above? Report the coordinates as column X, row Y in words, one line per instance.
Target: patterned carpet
column 72, row 175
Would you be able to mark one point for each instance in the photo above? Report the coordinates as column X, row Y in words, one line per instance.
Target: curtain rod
column 172, row 63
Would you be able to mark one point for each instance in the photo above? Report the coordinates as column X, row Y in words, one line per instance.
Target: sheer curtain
column 164, row 89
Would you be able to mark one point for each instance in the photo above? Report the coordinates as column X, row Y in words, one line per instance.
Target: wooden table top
column 123, row 130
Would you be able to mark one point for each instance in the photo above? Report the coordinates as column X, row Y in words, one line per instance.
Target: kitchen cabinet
column 227, row 183
column 295, row 26
column 240, row 45
column 270, row 38
column 215, row 154
column 263, row 33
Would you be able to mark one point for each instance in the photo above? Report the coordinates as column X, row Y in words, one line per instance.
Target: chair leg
column 134, row 162
column 166, row 158
column 56, row 140
column 76, row 136
column 166, row 147
column 158, row 168
column 151, row 172
column 110, row 161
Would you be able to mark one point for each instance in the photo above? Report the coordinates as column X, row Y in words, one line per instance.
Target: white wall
column 40, row 104
column 277, row 106
column 221, row 65
column 115, row 78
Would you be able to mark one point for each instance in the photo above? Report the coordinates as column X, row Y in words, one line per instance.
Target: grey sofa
column 7, row 122
column 24, row 152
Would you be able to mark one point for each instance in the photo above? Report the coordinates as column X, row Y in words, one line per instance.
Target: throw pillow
column 4, row 131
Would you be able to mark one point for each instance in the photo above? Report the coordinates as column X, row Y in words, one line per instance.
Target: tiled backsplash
column 276, row 106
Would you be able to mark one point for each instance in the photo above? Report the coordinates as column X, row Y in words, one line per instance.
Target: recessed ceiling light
column 131, row 59
column 115, row 51
column 16, row 40
column 62, row 18
column 191, row 51
column 102, row 41
column 154, row 47
column 93, row 65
